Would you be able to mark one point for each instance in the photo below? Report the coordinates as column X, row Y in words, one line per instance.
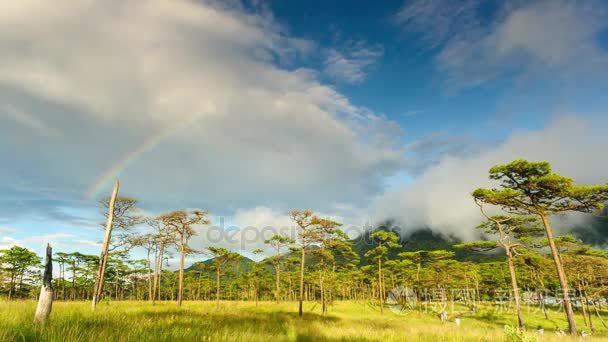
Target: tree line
column 322, row 265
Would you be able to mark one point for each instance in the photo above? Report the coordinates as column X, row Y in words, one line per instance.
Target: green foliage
column 17, row 259
column 17, row 263
column 508, row 232
column 419, row 240
column 386, row 240
column 478, row 246
column 426, row 257
column 335, row 248
column 517, row 226
column 222, row 256
column 533, row 188
column 279, row 241
column 516, row 335
column 243, row 265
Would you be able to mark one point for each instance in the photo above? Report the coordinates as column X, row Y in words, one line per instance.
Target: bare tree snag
column 103, row 258
column 45, row 301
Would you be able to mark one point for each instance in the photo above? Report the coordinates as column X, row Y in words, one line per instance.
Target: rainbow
column 115, row 169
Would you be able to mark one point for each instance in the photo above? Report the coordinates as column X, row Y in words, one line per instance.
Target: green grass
column 243, row 321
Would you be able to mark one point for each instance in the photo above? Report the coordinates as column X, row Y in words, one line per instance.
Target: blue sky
column 355, row 109
column 406, row 83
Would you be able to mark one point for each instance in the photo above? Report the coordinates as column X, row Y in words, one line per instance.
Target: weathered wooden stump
column 45, row 301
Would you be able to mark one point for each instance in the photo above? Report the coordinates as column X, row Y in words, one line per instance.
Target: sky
column 362, row 111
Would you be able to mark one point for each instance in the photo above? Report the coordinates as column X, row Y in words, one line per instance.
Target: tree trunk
column 380, row 291
column 45, row 301
column 321, row 288
column 563, row 281
column 278, row 283
column 217, row 287
column 597, row 313
column 301, row 299
column 73, row 280
column 542, row 305
column 290, row 285
column 160, row 272
column 21, row 273
column 585, row 305
column 580, row 291
column 116, row 284
column 12, row 285
column 62, row 271
column 103, row 258
column 198, row 290
column 180, row 290
column 149, row 276
column 520, row 319
column 590, row 316
column 155, row 273
column 478, row 298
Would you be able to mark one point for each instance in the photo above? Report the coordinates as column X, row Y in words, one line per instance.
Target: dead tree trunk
column 45, row 301
column 103, row 258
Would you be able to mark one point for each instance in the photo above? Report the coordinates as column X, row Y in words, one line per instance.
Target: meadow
column 268, row 321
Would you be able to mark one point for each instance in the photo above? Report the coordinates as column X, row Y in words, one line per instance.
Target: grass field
column 243, row 321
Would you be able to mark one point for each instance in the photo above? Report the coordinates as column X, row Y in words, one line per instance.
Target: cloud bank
column 440, row 198
column 189, row 103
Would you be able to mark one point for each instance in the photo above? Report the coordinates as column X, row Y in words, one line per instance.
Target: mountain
column 206, row 266
column 421, row 239
column 593, row 231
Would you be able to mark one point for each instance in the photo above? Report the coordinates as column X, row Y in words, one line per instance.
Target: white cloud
column 187, row 100
column 59, row 241
column 544, row 37
column 27, row 120
column 7, row 242
column 262, row 217
column 6, row 230
column 89, row 243
column 247, row 229
column 351, row 63
column 522, row 38
column 53, row 238
column 440, row 198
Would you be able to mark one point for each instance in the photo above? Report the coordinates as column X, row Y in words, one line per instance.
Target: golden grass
column 244, row 321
